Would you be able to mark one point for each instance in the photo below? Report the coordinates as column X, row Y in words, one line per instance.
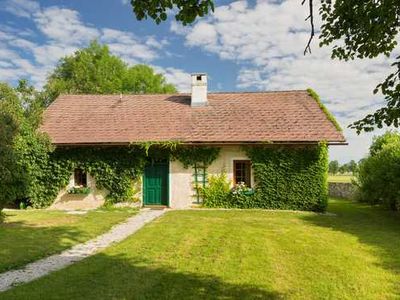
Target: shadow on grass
column 21, row 243
column 119, row 277
column 372, row 226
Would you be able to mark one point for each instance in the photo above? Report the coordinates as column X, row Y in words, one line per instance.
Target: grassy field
column 340, row 178
column 353, row 252
column 28, row 235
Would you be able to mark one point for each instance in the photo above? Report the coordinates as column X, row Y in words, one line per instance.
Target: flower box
column 79, row 190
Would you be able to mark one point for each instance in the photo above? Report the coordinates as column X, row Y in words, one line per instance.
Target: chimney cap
column 199, row 89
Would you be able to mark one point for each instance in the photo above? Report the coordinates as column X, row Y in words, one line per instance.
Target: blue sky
column 244, row 45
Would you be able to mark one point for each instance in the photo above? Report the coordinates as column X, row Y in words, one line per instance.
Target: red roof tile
column 291, row 116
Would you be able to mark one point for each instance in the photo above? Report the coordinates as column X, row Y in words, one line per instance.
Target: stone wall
column 341, row 190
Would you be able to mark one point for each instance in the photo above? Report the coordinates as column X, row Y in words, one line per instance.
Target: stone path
column 56, row 262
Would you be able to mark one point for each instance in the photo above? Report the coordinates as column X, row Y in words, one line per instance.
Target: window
column 80, row 178
column 242, row 172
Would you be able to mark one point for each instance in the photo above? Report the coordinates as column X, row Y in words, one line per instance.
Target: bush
column 378, row 176
column 216, row 192
column 241, row 196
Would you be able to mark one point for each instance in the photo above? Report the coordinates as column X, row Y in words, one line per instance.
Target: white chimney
column 199, row 89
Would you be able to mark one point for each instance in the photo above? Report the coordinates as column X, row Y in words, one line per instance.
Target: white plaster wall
column 67, row 201
column 181, row 190
column 181, row 186
column 224, row 162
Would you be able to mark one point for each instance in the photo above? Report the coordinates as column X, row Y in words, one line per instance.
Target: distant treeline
column 335, row 167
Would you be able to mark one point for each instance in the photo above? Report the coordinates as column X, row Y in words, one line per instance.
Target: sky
column 242, row 46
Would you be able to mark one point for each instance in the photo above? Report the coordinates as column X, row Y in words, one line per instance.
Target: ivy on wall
column 114, row 168
column 192, row 156
column 199, row 158
column 290, row 177
column 285, row 178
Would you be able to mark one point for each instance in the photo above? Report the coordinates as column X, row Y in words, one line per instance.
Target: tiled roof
column 291, row 116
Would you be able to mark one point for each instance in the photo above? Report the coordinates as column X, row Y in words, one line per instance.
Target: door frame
column 167, row 194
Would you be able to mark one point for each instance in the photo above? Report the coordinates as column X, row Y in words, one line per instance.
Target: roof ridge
column 185, row 94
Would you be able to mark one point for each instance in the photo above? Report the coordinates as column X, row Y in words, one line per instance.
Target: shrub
column 241, row 196
column 216, row 192
column 378, row 176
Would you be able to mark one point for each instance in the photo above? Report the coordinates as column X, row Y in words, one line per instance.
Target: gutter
column 109, row 144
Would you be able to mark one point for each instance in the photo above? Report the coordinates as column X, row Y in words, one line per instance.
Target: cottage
column 227, row 121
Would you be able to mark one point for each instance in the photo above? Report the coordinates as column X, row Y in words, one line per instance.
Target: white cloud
column 267, row 40
column 129, row 47
column 21, row 8
column 177, row 77
column 64, row 32
column 64, row 26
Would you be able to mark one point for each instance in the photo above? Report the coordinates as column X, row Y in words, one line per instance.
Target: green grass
column 340, row 178
column 353, row 252
column 28, row 235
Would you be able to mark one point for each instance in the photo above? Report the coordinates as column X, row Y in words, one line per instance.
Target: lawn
column 28, row 235
column 340, row 178
column 353, row 252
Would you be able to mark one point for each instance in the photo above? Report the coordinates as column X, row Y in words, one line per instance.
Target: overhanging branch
column 311, row 18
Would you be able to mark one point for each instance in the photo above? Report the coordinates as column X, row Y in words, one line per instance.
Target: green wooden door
column 155, row 184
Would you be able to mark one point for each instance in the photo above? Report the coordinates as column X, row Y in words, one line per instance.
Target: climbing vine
column 199, row 158
column 285, row 178
column 166, row 146
column 114, row 168
column 191, row 156
column 290, row 177
column 330, row 117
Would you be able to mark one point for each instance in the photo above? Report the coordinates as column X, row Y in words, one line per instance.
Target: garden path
column 56, row 262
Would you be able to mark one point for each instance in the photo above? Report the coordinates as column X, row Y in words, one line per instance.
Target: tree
column 12, row 182
column 186, row 10
column 359, row 29
column 343, row 169
column 141, row 79
column 352, row 166
column 94, row 70
column 333, row 167
column 379, row 142
column 20, row 142
column 378, row 175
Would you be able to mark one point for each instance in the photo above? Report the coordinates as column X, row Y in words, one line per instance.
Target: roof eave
column 91, row 144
